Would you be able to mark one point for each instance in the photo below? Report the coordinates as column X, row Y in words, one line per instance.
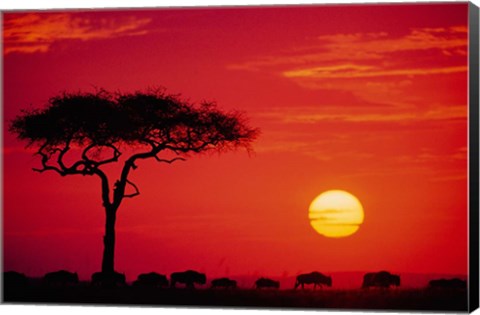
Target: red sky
column 364, row 98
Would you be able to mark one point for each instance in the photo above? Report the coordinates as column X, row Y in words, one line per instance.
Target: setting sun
column 336, row 213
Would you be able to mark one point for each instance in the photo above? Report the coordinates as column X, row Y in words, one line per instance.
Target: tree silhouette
column 80, row 133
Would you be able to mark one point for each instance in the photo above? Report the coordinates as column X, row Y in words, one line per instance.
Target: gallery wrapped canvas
column 285, row 157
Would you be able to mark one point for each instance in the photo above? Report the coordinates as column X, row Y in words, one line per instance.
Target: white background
column 74, row 310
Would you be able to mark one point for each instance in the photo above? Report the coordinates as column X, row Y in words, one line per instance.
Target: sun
column 336, row 213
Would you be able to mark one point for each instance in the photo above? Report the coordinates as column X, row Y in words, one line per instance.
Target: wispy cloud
column 375, row 45
column 37, row 32
column 338, row 49
column 330, row 134
column 318, row 114
column 358, row 71
column 372, row 66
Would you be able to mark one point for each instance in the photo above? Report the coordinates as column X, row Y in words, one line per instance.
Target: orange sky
column 369, row 99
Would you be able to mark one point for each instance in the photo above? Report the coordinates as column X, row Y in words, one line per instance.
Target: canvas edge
column 473, row 133
column 473, row 117
column 2, row 244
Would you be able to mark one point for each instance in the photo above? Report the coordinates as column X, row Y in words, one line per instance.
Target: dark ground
column 374, row 299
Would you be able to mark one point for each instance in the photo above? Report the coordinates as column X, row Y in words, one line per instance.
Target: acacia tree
column 80, row 133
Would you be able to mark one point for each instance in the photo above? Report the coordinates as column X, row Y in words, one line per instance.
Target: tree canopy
column 96, row 121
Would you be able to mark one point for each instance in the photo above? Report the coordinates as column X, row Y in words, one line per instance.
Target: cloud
column 395, row 70
column 342, row 133
column 318, row 114
column 427, row 156
column 322, row 151
column 37, row 32
column 337, row 49
column 359, row 71
column 379, row 44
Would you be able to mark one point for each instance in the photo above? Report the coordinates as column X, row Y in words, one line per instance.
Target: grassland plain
column 348, row 299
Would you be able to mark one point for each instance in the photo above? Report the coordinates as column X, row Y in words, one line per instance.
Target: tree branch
column 136, row 193
column 62, row 154
column 45, row 159
column 114, row 158
column 48, row 168
column 90, row 168
column 169, row 161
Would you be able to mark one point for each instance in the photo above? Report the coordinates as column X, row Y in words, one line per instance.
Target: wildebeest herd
column 190, row 278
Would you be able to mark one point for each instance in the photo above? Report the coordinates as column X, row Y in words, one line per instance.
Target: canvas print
column 311, row 157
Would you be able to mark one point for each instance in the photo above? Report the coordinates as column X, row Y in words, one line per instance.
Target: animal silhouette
column 108, row 279
column 454, row 283
column 315, row 278
column 13, row 279
column 189, row 278
column 60, row 278
column 382, row 279
column 224, row 283
column 267, row 283
column 151, row 279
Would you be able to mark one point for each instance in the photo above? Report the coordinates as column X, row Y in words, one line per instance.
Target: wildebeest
column 382, row 279
column 189, row 278
column 60, row 278
column 224, row 283
column 267, row 283
column 151, row 279
column 454, row 283
column 13, row 279
column 108, row 279
column 315, row 278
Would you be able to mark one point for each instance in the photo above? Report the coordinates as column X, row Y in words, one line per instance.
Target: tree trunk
column 109, row 242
